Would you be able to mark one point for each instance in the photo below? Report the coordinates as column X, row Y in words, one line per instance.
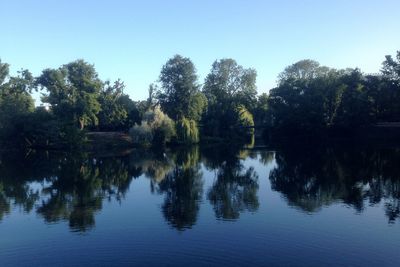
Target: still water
column 203, row 206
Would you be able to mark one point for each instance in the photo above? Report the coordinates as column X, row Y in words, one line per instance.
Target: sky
column 131, row 40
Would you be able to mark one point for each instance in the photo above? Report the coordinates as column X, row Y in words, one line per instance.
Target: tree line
column 308, row 99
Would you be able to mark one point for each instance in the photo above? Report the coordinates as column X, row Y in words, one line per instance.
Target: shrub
column 156, row 128
column 141, row 134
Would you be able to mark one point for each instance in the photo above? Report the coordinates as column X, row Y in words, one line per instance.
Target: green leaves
column 72, row 92
column 178, row 86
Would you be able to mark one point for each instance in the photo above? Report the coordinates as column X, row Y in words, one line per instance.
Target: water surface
column 303, row 206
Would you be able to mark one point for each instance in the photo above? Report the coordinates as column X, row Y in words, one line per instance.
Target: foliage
column 198, row 103
column 15, row 103
column 178, row 86
column 309, row 99
column 227, row 86
column 244, row 122
column 73, row 91
column 113, row 115
column 261, row 111
column 187, row 131
column 155, row 128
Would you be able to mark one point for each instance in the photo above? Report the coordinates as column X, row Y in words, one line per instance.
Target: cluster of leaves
column 187, row 131
column 311, row 98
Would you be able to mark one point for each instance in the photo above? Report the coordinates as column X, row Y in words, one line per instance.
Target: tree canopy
column 72, row 92
column 309, row 99
column 178, row 87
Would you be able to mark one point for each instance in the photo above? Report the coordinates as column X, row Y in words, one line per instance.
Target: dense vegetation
column 309, row 99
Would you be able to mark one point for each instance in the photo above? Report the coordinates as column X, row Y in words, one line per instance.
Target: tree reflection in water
column 313, row 177
column 235, row 187
column 62, row 186
column 73, row 187
column 182, row 188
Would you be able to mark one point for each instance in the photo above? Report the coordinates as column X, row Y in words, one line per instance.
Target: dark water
column 296, row 206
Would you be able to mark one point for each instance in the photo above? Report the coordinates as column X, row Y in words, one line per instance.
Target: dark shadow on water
column 311, row 177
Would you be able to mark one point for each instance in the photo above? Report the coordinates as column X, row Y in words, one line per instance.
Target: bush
column 187, row 131
column 141, row 134
column 156, row 128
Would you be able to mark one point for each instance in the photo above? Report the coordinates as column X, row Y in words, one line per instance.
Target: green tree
column 113, row 115
column 354, row 106
column 72, row 92
column 227, row 87
column 261, row 110
column 15, row 103
column 229, row 84
column 391, row 89
column 306, row 98
column 178, row 87
column 306, row 69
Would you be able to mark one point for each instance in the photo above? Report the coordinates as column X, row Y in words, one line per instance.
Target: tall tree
column 72, row 92
column 178, row 86
column 15, row 102
column 305, row 69
column 227, row 87
column 113, row 115
column 229, row 84
column 391, row 68
column 391, row 79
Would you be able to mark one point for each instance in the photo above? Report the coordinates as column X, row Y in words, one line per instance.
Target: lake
column 309, row 205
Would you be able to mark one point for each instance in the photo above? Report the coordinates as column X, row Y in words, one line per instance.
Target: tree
column 15, row 103
column 178, row 87
column 113, row 115
column 306, row 69
column 72, row 92
column 306, row 98
column 261, row 110
column 198, row 103
column 227, row 87
column 391, row 68
column 354, row 106
column 229, row 84
column 391, row 79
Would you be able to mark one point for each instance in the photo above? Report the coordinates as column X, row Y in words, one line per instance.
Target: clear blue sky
column 131, row 40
